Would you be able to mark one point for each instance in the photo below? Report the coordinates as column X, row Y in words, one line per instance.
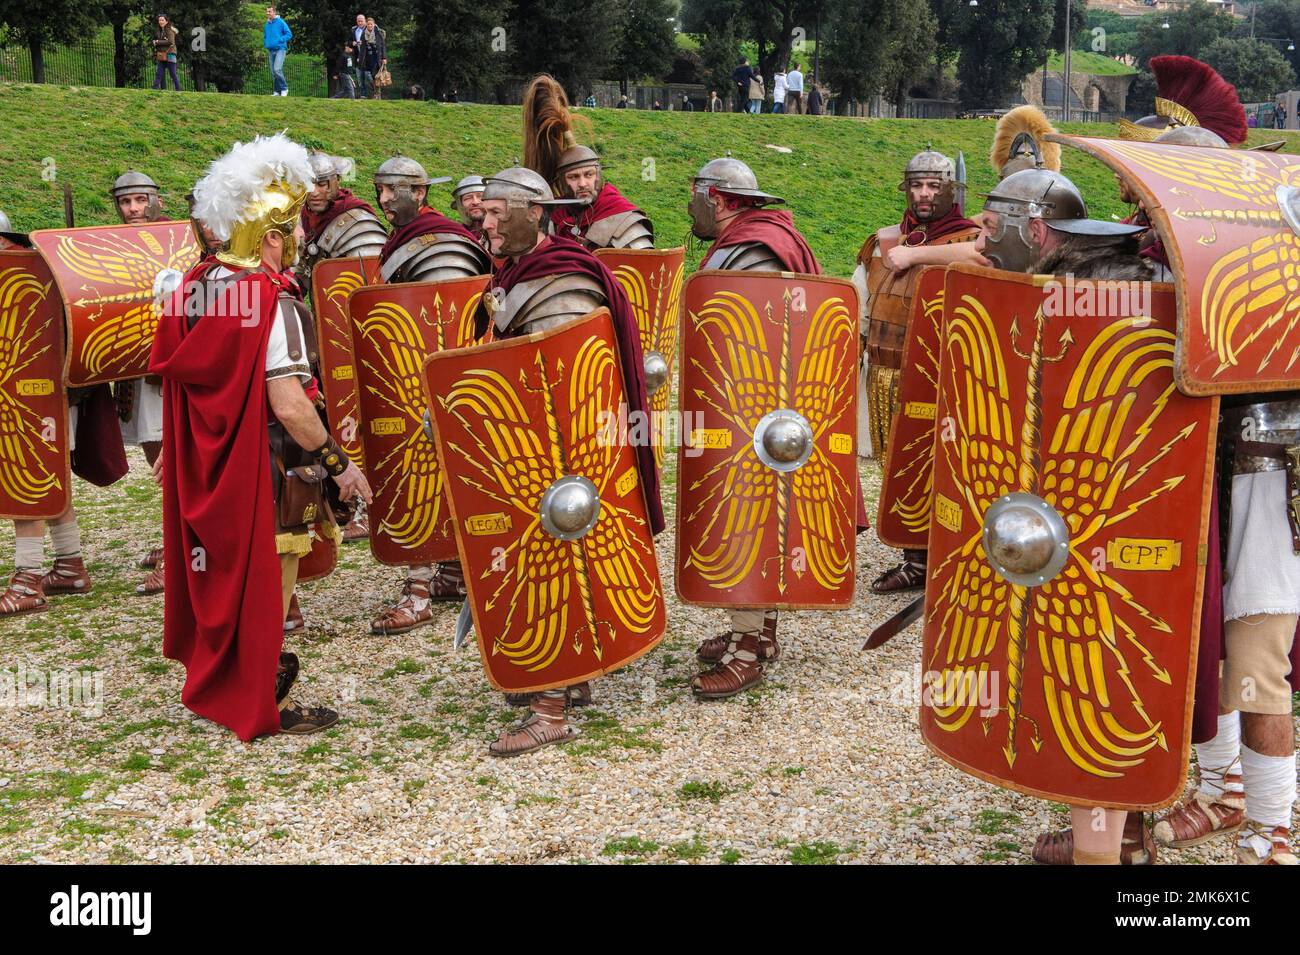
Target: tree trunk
column 900, row 100
column 200, row 77
column 119, row 53
column 38, row 59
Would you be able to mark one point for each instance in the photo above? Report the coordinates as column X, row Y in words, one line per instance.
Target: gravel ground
column 823, row 763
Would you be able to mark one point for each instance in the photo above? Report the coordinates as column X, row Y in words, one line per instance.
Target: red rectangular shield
column 333, row 280
column 907, row 478
column 517, row 422
column 394, row 329
column 35, row 474
column 1228, row 219
column 652, row 279
column 767, row 354
column 1061, row 662
column 111, row 280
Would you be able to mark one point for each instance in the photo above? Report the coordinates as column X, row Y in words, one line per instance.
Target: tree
column 855, row 47
column 1000, row 42
column 1078, row 21
column 46, row 22
column 1256, row 68
column 575, row 41
column 1280, row 18
column 912, row 49
column 717, row 26
column 458, row 45
column 221, row 45
column 1191, row 29
column 648, row 40
column 127, row 61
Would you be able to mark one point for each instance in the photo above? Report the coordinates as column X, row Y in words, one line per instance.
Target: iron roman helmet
column 132, row 183
column 1038, row 194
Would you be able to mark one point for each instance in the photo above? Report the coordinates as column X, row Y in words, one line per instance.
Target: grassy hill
column 840, row 176
column 1085, row 61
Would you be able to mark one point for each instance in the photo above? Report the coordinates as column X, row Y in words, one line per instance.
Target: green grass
column 840, row 179
column 1084, row 61
column 816, row 853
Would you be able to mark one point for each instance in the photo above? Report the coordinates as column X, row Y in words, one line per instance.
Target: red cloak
column 775, row 229
column 558, row 255
column 313, row 225
column 428, row 219
column 936, row 229
column 99, row 456
column 223, row 617
column 608, row 202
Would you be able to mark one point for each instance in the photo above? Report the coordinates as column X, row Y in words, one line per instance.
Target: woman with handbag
column 164, row 53
column 375, row 57
column 755, row 94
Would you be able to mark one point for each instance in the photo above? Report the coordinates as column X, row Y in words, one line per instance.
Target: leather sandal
column 301, row 720
column 407, row 614
column 153, row 583
column 544, row 726
column 359, row 527
column 150, row 560
column 579, row 695
column 448, row 581
column 1198, row 818
column 1136, row 848
column 24, row 595
column 909, row 575
column 1279, row 839
column 737, row 671
column 285, row 676
column 713, row 649
column 67, row 576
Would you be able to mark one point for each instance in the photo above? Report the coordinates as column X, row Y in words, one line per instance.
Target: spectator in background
column 794, row 90
column 687, row 105
column 657, row 105
column 164, row 53
column 590, row 101
column 622, row 102
column 275, row 37
column 376, row 55
column 1281, row 117
column 778, row 92
column 815, row 101
column 755, row 94
column 741, row 76
column 452, row 96
column 358, row 33
column 342, row 72
column 414, row 91
column 715, row 102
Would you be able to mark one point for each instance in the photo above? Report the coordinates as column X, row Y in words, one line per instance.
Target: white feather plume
column 224, row 197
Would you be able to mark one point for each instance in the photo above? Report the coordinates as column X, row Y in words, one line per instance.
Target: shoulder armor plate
column 627, row 230
column 543, row 303
column 435, row 256
column 355, row 232
column 745, row 257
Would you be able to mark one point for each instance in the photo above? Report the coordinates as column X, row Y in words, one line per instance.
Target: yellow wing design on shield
column 742, row 387
column 819, row 491
column 23, row 474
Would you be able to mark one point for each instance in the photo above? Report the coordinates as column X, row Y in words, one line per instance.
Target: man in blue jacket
column 275, row 37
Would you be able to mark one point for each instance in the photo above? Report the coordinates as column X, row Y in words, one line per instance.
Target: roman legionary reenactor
column 233, row 347
column 425, row 246
column 886, row 277
column 728, row 207
column 547, row 282
column 467, row 202
column 336, row 224
column 139, row 400
column 602, row 218
column 1249, row 658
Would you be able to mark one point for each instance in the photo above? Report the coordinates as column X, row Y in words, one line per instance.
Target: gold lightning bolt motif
column 1072, row 645
column 549, row 586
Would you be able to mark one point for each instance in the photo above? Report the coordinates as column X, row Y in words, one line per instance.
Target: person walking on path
column 164, row 53
column 275, row 37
